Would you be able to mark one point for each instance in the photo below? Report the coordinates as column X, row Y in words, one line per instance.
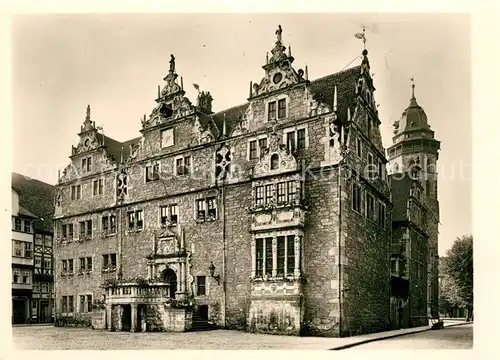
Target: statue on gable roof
column 172, row 63
column 278, row 33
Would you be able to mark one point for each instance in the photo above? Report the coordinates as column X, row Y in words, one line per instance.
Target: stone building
column 273, row 215
column 412, row 167
column 32, row 256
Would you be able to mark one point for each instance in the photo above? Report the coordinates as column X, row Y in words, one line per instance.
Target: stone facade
column 268, row 213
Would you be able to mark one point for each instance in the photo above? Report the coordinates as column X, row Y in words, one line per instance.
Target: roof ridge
column 31, row 179
column 336, row 73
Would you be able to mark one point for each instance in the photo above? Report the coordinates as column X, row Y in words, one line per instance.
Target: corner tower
column 414, row 145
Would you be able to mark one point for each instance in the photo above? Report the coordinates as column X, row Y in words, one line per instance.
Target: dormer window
column 272, row 111
column 275, row 162
column 87, row 164
column 276, row 109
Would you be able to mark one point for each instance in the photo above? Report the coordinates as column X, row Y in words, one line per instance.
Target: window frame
column 201, row 286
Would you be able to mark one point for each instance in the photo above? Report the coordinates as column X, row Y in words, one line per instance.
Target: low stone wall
column 99, row 319
column 275, row 316
column 177, row 320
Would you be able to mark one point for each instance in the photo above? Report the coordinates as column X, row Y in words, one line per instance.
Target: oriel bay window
column 284, row 264
column 285, row 192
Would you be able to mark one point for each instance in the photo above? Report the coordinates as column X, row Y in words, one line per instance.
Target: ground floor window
column 284, row 263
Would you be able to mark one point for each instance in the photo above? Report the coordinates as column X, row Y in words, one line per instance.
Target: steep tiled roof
column 400, row 190
column 323, row 89
column 114, row 147
column 232, row 115
column 37, row 198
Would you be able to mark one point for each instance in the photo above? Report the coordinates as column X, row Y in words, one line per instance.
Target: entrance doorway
column 18, row 311
column 126, row 317
column 169, row 277
column 203, row 311
column 44, row 312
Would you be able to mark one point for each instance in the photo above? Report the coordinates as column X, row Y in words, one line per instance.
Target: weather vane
column 362, row 36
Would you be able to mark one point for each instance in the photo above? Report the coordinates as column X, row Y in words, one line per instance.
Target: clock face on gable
column 87, row 143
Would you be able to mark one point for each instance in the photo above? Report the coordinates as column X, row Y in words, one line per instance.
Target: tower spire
column 412, row 79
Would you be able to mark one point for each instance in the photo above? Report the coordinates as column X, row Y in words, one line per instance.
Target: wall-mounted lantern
column 211, row 268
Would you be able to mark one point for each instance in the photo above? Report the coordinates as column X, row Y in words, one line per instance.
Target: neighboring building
column 33, row 225
column 22, row 260
column 409, row 255
column 249, row 210
column 415, row 149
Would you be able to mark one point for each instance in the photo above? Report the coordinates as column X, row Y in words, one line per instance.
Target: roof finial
column 362, row 36
column 289, row 50
column 307, row 74
column 412, row 79
column 88, row 112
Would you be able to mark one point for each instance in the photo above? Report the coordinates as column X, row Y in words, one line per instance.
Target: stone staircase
column 201, row 324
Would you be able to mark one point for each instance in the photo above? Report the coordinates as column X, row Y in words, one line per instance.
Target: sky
column 114, row 63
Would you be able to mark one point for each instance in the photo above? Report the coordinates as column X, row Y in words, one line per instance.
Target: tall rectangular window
column 174, row 216
column 82, row 264
column 17, row 224
column 259, row 254
column 290, row 255
column 381, row 214
column 78, row 192
column 89, row 227
column 82, row 304
column 70, row 231
column 89, row 303
column 27, row 226
column 70, row 266
column 131, row 220
column 89, row 263
column 64, row 232
column 281, row 108
column 200, row 285
column 356, row 197
column 271, row 115
column 200, row 208
column 82, row 229
column 84, row 165
column 105, row 224
column 291, row 191
column 70, row 304
column 18, row 248
column 96, row 187
column 358, row 143
column 211, row 207
column 27, row 250
column 259, row 195
column 269, row 256
column 269, row 194
column 281, row 245
column 301, row 139
column 89, row 164
column 112, row 224
column 140, row 219
column 163, row 215
column 262, row 146
column 281, row 192
column 290, row 141
column 73, row 192
column 370, row 206
column 64, row 265
column 253, row 150
column 64, row 304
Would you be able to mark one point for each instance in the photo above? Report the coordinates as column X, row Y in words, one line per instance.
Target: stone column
column 254, row 259
column 109, row 318
column 178, row 273
column 149, row 272
column 297, row 256
column 133, row 320
column 183, row 283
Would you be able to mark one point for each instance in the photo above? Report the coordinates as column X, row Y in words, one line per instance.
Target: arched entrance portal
column 169, row 276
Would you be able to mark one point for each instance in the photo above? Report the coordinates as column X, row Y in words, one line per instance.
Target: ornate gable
column 279, row 72
column 276, row 159
column 172, row 104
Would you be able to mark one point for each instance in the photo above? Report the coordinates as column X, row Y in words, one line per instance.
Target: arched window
column 274, row 161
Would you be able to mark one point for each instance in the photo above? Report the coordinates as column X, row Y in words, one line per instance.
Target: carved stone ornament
column 87, row 143
column 276, row 159
column 222, row 162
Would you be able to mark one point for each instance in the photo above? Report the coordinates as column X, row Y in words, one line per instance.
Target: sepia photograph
column 241, row 181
